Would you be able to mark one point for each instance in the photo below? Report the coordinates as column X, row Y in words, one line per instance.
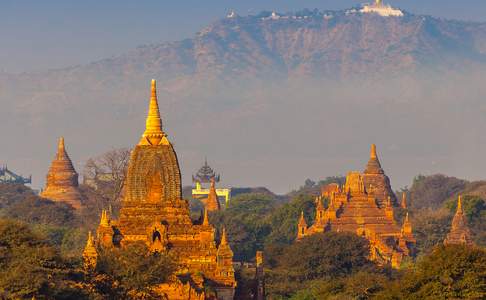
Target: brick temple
column 364, row 205
column 153, row 212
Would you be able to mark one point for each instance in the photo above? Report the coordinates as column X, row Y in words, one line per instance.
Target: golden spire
column 90, row 241
column 223, row 238
column 153, row 135
column 407, row 226
column 105, row 221
column 459, row 205
column 302, row 221
column 61, row 150
column 403, row 204
column 212, row 202
column 205, row 219
column 373, row 152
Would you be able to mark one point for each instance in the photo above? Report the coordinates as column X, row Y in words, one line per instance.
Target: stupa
column 62, row 179
column 153, row 212
column 459, row 233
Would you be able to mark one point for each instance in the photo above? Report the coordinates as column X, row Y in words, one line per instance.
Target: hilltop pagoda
column 153, row 212
column 62, row 179
column 459, row 233
column 356, row 207
column 7, row 176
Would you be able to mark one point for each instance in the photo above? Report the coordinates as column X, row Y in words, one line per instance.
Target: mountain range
column 272, row 98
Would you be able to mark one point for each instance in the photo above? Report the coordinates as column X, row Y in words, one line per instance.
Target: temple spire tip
column 373, row 151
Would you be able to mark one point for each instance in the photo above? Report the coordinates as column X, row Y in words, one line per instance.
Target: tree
column 29, row 265
column 246, row 222
column 449, row 272
column 322, row 256
column 107, row 172
column 133, row 270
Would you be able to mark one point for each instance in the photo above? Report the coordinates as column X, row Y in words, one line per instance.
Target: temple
column 206, row 175
column 459, row 233
column 364, row 205
column 153, row 212
column 62, row 179
column 381, row 9
column 7, row 176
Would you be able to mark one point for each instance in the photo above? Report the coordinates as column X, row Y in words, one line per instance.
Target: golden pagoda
column 62, row 179
column 354, row 208
column 154, row 212
column 460, row 233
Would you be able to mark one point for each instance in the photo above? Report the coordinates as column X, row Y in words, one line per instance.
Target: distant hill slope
column 236, row 74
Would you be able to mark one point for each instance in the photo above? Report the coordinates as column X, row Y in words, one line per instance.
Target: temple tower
column 153, row 212
column 212, row 202
column 459, row 233
column 301, row 227
column 62, row 179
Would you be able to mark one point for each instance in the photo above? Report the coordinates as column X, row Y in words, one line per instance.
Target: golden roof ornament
column 205, row 219
column 153, row 135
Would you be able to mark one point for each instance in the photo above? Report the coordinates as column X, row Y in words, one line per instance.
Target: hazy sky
column 37, row 35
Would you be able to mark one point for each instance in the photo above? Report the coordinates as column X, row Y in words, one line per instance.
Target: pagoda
column 7, row 176
column 357, row 207
column 459, row 233
column 153, row 212
column 62, row 179
column 204, row 176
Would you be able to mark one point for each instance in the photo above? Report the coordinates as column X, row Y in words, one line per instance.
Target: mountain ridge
column 242, row 71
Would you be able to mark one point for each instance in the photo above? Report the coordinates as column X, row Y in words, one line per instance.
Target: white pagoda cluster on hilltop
column 381, row 9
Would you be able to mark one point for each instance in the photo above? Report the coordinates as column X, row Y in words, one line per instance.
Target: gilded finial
column 223, row 238
column 373, row 151
column 153, row 134
column 205, row 219
column 61, row 150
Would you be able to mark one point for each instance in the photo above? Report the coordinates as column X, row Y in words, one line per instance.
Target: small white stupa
column 381, row 9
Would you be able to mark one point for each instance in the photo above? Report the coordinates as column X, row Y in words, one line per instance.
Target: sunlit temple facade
column 153, row 212
column 364, row 205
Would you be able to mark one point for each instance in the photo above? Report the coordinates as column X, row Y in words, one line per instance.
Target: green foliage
column 433, row 191
column 29, row 265
column 452, row 272
column 316, row 258
column 283, row 220
column 246, row 223
column 133, row 269
column 430, row 227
